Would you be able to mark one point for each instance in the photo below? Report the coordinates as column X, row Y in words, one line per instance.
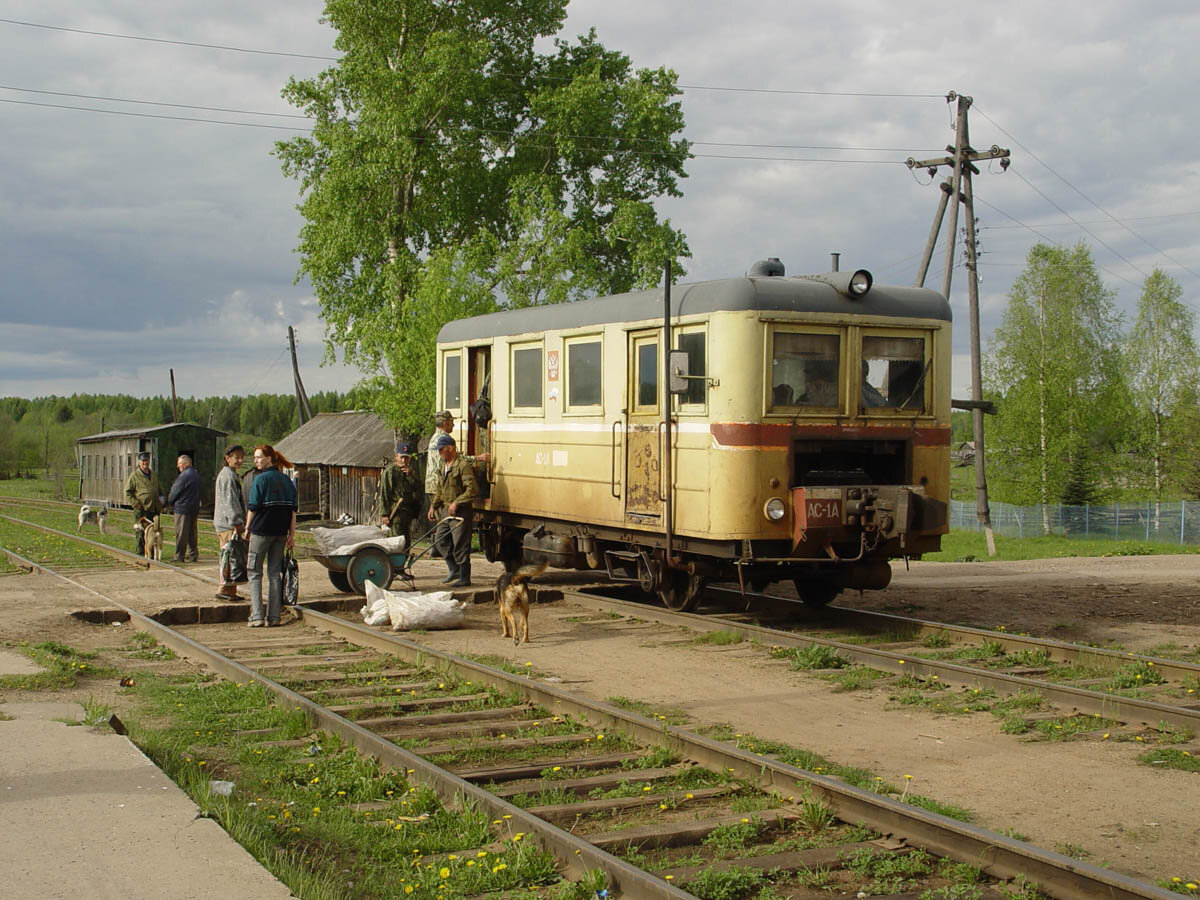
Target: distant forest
column 41, row 433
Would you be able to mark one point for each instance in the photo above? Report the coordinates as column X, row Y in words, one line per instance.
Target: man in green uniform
column 144, row 494
column 452, row 509
column 400, row 493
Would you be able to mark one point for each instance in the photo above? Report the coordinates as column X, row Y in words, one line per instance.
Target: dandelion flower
column 444, row 873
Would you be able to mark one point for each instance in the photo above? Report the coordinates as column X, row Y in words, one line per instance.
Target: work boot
column 454, row 571
column 464, row 579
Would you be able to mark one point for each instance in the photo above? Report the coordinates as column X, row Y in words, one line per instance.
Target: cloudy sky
column 134, row 243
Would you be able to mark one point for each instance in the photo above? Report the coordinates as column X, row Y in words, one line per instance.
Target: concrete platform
column 84, row 814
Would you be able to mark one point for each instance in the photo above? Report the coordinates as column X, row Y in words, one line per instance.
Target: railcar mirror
column 679, row 371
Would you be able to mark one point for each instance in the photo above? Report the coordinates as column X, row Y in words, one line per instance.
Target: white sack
column 410, row 611
column 376, row 611
column 386, row 544
column 328, row 539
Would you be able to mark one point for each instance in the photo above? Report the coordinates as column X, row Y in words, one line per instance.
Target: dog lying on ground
column 92, row 515
column 152, row 540
column 512, row 595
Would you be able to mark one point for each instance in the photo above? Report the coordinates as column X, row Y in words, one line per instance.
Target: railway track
column 980, row 660
column 533, row 756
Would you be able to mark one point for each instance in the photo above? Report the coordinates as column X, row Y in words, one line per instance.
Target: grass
column 718, row 638
column 669, row 716
column 64, row 667
column 1170, row 758
column 972, row 546
column 293, row 808
column 817, row 656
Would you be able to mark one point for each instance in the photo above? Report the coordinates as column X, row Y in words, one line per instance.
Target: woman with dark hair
column 271, row 524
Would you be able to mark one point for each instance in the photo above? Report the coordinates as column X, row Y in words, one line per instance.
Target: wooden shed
column 338, row 459
column 105, row 460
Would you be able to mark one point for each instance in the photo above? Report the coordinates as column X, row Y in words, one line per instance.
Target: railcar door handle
column 491, row 466
column 615, row 461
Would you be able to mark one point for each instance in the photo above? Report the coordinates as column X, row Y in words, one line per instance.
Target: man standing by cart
column 143, row 493
column 452, row 509
column 184, row 500
column 400, row 491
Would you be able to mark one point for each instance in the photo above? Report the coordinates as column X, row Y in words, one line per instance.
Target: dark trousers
column 185, row 537
column 452, row 538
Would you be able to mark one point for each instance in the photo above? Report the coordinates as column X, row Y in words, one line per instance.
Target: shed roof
column 340, row 439
column 150, row 429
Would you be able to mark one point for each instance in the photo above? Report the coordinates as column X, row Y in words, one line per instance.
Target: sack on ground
column 376, row 611
column 233, row 555
column 291, row 580
column 410, row 611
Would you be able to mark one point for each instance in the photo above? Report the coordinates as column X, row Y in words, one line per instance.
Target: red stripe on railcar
column 772, row 436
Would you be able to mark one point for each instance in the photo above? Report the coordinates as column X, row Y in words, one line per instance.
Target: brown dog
column 151, row 537
column 512, row 595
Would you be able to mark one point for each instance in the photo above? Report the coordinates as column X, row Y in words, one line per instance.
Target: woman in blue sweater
column 271, row 524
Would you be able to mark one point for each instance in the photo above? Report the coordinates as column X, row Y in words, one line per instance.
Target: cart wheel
column 369, row 564
column 339, row 581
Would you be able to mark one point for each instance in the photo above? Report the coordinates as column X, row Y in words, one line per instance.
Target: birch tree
column 453, row 167
column 1163, row 366
column 1054, row 365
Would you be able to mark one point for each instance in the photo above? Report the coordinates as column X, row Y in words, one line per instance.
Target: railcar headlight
column 860, row 282
column 774, row 509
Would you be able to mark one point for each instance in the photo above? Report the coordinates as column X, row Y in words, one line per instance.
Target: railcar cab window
column 452, row 381
column 527, row 378
column 694, row 342
column 894, row 374
column 804, row 370
column 584, row 374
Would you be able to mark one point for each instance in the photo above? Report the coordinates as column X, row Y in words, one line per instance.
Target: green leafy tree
column 1056, row 366
column 1164, row 367
column 453, row 168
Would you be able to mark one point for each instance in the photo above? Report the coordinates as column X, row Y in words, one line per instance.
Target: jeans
column 268, row 547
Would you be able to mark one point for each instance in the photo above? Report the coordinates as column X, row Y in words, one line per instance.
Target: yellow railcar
column 807, row 437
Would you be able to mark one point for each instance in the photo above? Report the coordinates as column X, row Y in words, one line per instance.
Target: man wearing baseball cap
column 400, row 492
column 452, row 508
column 143, row 493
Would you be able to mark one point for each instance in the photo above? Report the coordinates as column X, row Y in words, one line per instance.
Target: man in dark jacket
column 400, row 492
column 185, row 498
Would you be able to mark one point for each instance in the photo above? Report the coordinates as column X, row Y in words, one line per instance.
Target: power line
column 244, row 112
column 1091, row 201
column 122, row 112
column 1100, row 221
column 689, row 87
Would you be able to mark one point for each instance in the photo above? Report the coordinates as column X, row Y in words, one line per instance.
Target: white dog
column 92, row 515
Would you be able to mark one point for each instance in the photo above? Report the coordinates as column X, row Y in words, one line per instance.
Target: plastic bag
column 234, row 555
column 410, row 611
column 291, row 579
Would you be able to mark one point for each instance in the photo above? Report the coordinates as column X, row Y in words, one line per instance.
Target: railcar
column 797, row 429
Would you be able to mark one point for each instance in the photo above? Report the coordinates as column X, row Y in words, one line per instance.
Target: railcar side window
column 452, row 382
column 647, row 374
column 584, row 383
column 527, row 378
column 694, row 343
column 804, row 369
column 893, row 373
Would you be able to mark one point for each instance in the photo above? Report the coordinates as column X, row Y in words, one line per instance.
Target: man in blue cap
column 452, row 507
column 400, row 492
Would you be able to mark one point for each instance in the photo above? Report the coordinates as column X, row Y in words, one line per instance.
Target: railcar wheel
column 815, row 593
column 369, row 564
column 679, row 591
column 758, row 585
column 339, row 581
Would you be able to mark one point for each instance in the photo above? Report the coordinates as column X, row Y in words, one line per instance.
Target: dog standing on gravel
column 92, row 515
column 512, row 595
column 152, row 539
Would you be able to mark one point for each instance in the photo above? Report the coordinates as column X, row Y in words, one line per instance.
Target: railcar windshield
column 893, row 373
column 804, row 369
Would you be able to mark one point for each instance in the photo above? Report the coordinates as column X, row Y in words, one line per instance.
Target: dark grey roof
column 766, row 294
column 151, row 429
column 340, row 439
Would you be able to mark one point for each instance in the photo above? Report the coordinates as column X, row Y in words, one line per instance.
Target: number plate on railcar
column 817, row 507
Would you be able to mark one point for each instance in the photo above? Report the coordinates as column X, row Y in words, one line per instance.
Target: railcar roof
column 765, row 294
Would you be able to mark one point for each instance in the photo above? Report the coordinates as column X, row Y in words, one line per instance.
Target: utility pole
column 303, row 412
column 959, row 188
column 174, row 404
